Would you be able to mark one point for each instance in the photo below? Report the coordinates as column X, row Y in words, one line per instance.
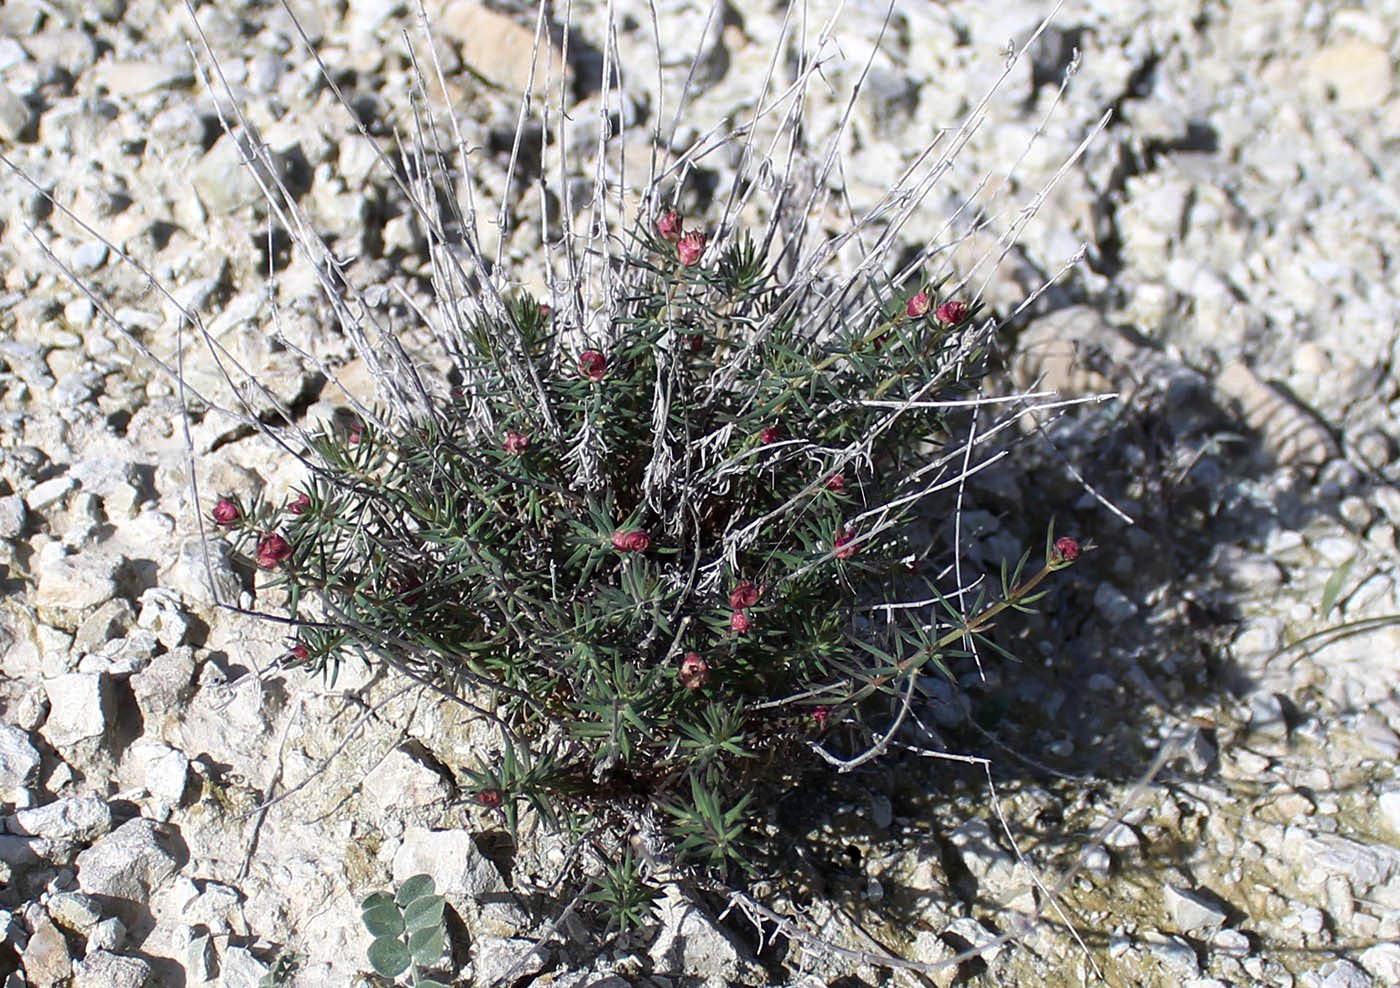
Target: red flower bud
column 770, row 434
column 299, row 504
column 918, row 305
column 695, row 341
column 637, row 541
column 690, row 247
column 1063, row 552
column 273, row 549
column 844, row 544
column 490, row 798
column 739, row 623
column 820, row 715
column 299, row 652
column 516, row 442
column 356, row 432
column 694, row 672
column 744, row 595
column 952, row 312
column 836, row 483
column 669, row 226
column 225, row 512
column 592, row 365
column 545, row 310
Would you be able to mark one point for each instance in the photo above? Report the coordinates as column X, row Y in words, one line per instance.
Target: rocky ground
column 1191, row 775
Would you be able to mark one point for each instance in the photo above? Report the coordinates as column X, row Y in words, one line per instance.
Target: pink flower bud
column 225, row 512
column 669, row 226
column 635, row 541
column 770, row 434
column 820, row 715
column 918, row 305
column 516, row 442
column 299, row 504
column 299, row 652
column 356, row 433
column 545, row 310
column 739, row 623
column 836, row 483
column 273, row 549
column 952, row 312
column 592, row 365
column 694, row 672
column 844, row 544
column 744, row 595
column 490, row 798
column 1063, row 552
column 690, row 247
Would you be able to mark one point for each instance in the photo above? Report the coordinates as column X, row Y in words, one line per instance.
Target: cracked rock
column 129, row 863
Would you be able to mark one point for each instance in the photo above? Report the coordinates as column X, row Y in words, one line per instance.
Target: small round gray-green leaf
column 426, row 945
column 388, row 956
column 383, row 920
column 414, row 888
column 376, row 899
column 421, row 914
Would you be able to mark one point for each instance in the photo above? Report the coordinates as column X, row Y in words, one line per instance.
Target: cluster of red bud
column 690, row 244
column 950, row 313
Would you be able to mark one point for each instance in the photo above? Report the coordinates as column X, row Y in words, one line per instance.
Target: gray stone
column 109, row 621
column 74, row 911
column 15, row 116
column 75, row 818
column 45, row 958
column 164, row 687
column 162, row 615
column 19, row 759
column 101, row 969
column 109, row 934
column 1389, row 804
column 1175, row 954
column 129, row 863
column 89, row 256
column 13, row 516
column 80, row 707
column 1113, row 604
column 1190, row 911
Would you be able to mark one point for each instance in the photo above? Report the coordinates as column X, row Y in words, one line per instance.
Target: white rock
column 238, row 968
column 129, row 863
column 71, row 587
column 690, row 941
column 1389, row 804
column 131, row 78
column 164, row 771
column 162, row 615
column 1231, row 942
column 1355, row 74
column 495, row 957
column 1382, row 962
column 49, row 492
column 400, row 780
column 460, row 872
column 77, row 818
column 80, row 706
column 1190, row 912
column 978, row 937
column 19, row 759
column 1337, row 974
column 100, row 969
